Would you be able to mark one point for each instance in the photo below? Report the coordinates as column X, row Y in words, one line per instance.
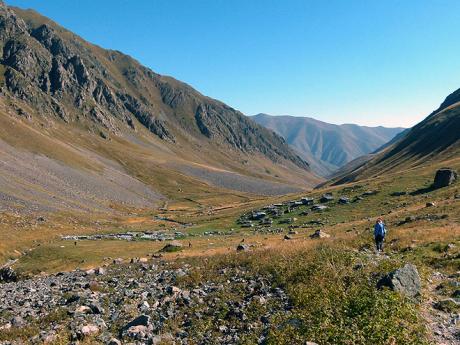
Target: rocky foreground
column 139, row 303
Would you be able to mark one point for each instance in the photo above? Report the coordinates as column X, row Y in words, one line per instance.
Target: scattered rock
column 448, row 305
column 7, row 275
column 307, row 201
column 405, row 280
column 142, row 320
column 326, row 197
column 136, row 332
column 18, row 321
column 258, row 215
column 90, row 272
column 370, row 192
column 444, row 177
column 153, row 294
column 344, row 200
column 173, row 290
column 242, row 247
column 83, row 309
column 319, row 234
column 100, row 271
column 88, row 330
column 398, row 193
column 319, row 208
column 173, row 246
column 430, row 204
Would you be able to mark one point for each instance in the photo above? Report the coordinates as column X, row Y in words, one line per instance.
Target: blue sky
column 368, row 62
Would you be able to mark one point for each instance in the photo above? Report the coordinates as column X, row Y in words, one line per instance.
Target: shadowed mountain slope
column 326, row 146
column 435, row 139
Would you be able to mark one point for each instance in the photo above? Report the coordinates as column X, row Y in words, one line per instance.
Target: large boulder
column 173, row 246
column 444, row 177
column 405, row 280
column 326, row 197
column 319, row 234
column 242, row 247
column 7, row 275
column 142, row 320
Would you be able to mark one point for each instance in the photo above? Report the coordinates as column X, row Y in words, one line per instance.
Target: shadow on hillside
column 423, row 190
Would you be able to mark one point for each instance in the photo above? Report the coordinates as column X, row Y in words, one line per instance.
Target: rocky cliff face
column 63, row 78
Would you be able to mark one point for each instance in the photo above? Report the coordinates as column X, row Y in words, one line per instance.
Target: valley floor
column 282, row 287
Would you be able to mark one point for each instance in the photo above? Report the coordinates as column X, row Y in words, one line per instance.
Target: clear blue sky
column 345, row 61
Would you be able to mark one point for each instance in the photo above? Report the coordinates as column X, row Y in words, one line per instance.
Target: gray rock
column 173, row 290
column 444, row 177
column 142, row 320
column 405, row 280
column 344, row 200
column 173, row 246
column 447, row 305
column 370, row 192
column 7, row 275
column 100, row 271
column 137, row 332
column 88, row 330
column 326, row 197
column 96, row 308
column 318, row 208
column 319, row 234
column 18, row 321
column 242, row 247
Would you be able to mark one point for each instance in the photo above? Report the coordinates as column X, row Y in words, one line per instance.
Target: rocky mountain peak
column 64, row 78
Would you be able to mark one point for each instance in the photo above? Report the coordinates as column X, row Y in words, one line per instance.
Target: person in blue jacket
column 379, row 234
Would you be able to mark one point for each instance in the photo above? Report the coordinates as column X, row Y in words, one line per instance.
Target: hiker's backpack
column 379, row 229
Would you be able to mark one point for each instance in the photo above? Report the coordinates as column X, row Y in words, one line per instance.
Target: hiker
column 379, row 234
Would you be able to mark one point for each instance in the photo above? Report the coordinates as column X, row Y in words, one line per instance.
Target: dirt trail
column 443, row 326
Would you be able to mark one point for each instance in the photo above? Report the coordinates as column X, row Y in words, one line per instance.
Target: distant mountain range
column 327, row 147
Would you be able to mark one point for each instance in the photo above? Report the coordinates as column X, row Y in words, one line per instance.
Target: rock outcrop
column 64, row 78
column 405, row 280
column 444, row 177
column 7, row 275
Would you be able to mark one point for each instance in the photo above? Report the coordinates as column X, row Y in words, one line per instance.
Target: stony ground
column 139, row 303
column 442, row 308
column 238, row 182
column 36, row 183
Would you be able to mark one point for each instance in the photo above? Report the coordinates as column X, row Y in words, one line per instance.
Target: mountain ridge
column 60, row 91
column 434, row 139
column 327, row 146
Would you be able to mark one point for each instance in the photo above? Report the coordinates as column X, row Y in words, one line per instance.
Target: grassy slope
column 432, row 140
column 334, row 302
column 191, row 145
column 217, row 211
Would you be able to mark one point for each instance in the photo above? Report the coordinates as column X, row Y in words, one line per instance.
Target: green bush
column 336, row 302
